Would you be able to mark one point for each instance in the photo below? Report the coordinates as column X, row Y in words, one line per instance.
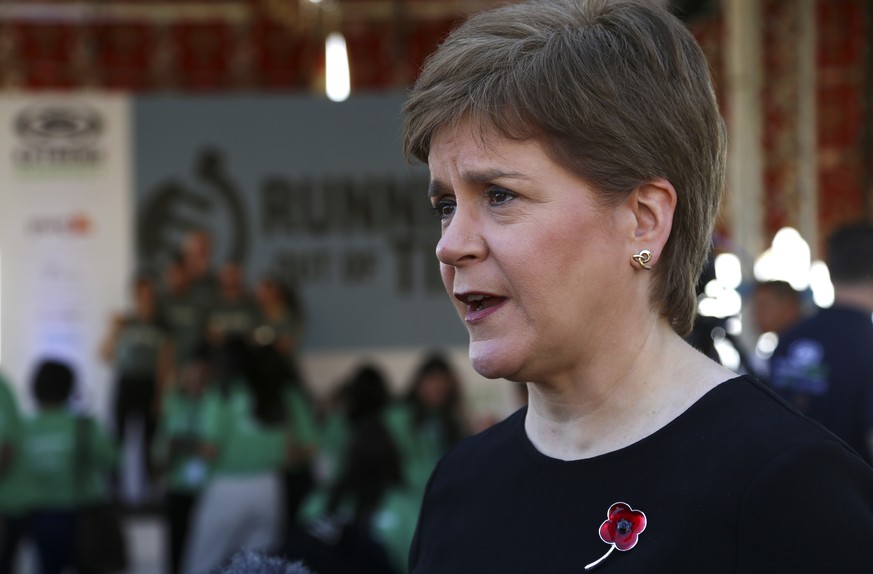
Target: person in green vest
column 181, row 311
column 361, row 521
column 138, row 349
column 254, row 426
column 234, row 312
column 430, row 419
column 64, row 456
column 14, row 490
column 178, row 449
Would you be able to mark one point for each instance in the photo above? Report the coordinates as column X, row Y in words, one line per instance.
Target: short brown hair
column 618, row 91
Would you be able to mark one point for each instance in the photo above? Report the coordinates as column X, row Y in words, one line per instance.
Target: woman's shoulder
column 744, row 413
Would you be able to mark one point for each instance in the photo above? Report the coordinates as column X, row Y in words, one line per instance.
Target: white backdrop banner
column 65, row 229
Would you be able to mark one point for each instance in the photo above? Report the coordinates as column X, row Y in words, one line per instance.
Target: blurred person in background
column 13, row 480
column 254, row 426
column 181, row 312
column 197, row 260
column 281, row 320
column 179, row 449
column 233, row 313
column 66, row 460
column 577, row 162
column 824, row 364
column 138, row 349
column 776, row 306
column 430, row 419
column 361, row 519
column 281, row 325
column 364, row 394
column 274, row 364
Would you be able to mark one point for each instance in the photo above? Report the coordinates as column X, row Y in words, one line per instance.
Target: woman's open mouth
column 479, row 305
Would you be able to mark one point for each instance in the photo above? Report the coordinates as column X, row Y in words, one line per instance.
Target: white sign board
column 65, row 233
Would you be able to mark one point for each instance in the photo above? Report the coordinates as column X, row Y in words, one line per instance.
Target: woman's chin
column 494, row 363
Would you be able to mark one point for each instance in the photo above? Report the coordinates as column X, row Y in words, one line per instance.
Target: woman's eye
column 444, row 208
column 498, row 195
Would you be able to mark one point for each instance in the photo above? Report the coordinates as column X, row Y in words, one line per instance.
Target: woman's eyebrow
column 436, row 187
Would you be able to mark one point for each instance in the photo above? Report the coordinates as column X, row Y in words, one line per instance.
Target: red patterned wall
column 212, row 55
column 262, row 53
column 843, row 45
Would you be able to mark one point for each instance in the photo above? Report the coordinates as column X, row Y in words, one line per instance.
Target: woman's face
column 534, row 265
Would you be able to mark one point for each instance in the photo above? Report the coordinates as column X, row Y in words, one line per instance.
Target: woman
column 361, row 521
column 65, row 459
column 138, row 348
column 429, row 421
column 179, row 443
column 281, row 318
column 577, row 162
column 253, row 426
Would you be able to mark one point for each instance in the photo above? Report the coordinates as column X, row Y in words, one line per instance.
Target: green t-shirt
column 246, row 446
column 332, row 442
column 13, row 482
column 419, row 451
column 178, row 441
column 421, row 447
column 65, row 459
column 183, row 317
column 231, row 318
column 138, row 347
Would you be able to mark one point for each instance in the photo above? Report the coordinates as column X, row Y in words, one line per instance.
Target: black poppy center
column 624, row 526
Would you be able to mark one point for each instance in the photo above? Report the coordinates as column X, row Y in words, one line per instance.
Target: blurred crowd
column 236, row 452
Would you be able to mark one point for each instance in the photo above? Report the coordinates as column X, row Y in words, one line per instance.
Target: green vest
column 65, row 459
column 246, row 446
column 14, row 491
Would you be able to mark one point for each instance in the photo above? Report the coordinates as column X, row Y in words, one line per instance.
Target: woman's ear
column 653, row 205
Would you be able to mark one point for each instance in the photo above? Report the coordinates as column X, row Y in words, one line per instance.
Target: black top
column 824, row 366
column 740, row 482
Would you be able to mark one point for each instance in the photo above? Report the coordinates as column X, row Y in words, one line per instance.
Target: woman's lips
column 480, row 305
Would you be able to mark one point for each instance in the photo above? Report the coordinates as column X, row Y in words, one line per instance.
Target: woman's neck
column 616, row 402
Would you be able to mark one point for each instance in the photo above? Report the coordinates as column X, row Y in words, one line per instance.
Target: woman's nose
column 462, row 240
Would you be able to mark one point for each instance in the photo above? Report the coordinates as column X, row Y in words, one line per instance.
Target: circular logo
column 63, row 125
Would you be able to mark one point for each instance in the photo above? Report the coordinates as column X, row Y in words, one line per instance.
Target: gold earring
column 643, row 258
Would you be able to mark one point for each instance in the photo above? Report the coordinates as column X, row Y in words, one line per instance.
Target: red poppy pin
column 621, row 529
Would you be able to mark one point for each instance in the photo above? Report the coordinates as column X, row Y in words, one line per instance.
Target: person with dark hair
column 364, row 394
column 430, row 420
column 138, row 350
column 280, row 326
column 362, row 519
column 776, row 306
column 281, row 320
column 234, row 312
column 824, row 364
column 181, row 311
column 178, row 449
column 66, row 458
column 254, row 425
column 577, row 162
column 197, row 261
